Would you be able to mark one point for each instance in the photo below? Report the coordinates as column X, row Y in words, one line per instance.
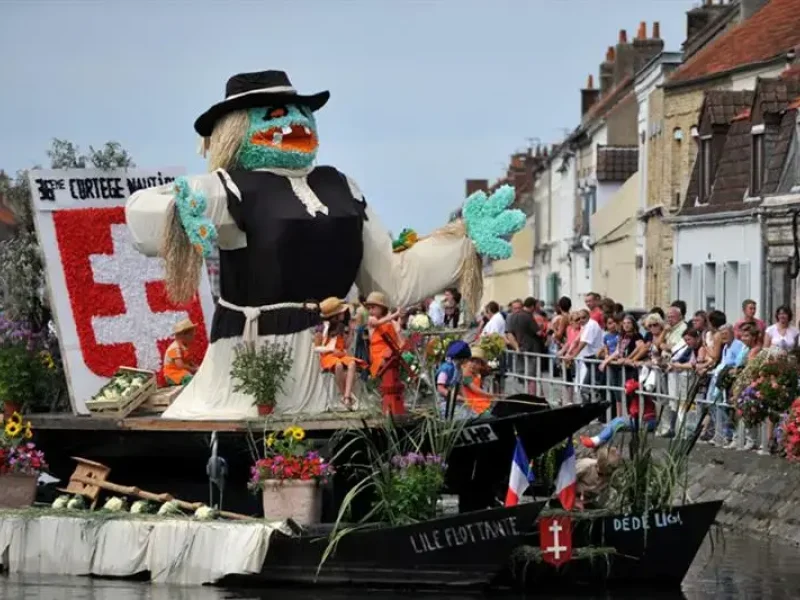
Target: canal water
column 737, row 567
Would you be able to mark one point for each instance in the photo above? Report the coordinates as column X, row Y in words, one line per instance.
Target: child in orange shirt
column 178, row 366
column 381, row 322
column 332, row 349
column 476, row 400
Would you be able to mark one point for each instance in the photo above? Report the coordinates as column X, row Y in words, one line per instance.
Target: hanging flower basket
column 17, row 490
column 292, row 499
column 265, row 409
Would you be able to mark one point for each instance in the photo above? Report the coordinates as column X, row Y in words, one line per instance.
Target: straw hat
column 330, row 307
column 478, row 353
column 183, row 327
column 377, row 299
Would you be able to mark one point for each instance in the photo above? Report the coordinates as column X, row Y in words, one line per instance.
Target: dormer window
column 757, row 166
column 706, row 174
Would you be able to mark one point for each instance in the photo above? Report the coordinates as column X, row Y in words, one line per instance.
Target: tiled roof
column 720, row 107
column 777, row 142
column 769, row 33
column 614, row 96
column 617, row 163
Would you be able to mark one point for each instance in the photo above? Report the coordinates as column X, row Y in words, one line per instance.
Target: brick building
column 728, row 46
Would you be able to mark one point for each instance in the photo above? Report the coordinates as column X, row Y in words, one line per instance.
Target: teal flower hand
column 489, row 221
column 191, row 206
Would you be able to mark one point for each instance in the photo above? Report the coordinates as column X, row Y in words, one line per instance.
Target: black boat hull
column 465, row 550
column 657, row 556
column 416, row 557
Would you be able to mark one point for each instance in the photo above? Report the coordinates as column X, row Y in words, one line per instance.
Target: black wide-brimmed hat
column 250, row 90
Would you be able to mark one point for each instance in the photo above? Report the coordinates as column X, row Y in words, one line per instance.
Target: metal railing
column 549, row 376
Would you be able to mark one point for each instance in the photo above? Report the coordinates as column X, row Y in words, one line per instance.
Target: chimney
column 589, row 96
column 476, row 185
column 625, row 57
column 697, row 20
column 747, row 8
column 607, row 71
column 645, row 48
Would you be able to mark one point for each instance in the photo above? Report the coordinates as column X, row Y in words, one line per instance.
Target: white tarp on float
column 174, row 551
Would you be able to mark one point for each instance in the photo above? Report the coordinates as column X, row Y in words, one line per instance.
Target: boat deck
column 317, row 422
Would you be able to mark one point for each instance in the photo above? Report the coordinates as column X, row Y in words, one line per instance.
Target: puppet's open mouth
column 289, row 137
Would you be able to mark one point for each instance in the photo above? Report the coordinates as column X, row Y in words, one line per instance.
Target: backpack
column 449, row 369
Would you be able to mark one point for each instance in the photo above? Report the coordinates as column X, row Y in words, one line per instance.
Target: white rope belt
column 252, row 313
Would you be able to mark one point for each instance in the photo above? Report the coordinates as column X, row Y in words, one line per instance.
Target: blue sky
column 424, row 93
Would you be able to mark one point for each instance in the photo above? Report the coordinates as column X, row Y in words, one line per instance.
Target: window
column 757, row 164
column 710, row 287
column 706, row 176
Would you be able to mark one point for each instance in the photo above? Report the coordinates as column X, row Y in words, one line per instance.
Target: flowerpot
column 17, row 490
column 9, row 408
column 292, row 499
column 265, row 409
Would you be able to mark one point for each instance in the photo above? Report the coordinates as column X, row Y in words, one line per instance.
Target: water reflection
column 737, row 568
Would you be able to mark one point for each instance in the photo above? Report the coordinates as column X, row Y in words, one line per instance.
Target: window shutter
column 676, row 292
column 719, row 288
column 745, row 291
column 697, row 301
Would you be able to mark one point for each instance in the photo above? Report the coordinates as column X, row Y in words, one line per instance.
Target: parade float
column 124, row 254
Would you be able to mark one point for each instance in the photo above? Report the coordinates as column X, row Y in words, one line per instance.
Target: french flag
column 521, row 476
column 567, row 478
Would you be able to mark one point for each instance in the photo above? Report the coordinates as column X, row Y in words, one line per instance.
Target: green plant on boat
column 400, row 468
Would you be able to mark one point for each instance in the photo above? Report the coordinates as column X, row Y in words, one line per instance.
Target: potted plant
column 289, row 477
column 261, row 372
column 414, row 484
column 20, row 463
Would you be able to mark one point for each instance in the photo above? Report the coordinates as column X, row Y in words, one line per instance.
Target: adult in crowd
column 435, row 311
column 782, row 334
column 595, row 310
column 522, row 335
column 748, row 316
column 700, row 323
column 681, row 306
column 620, row 364
column 495, row 321
column 676, row 327
column 452, row 308
column 588, row 346
column 682, row 363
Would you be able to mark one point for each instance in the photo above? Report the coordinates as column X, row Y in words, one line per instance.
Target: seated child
column 449, row 372
column 333, row 357
column 625, row 423
column 178, row 366
column 476, row 400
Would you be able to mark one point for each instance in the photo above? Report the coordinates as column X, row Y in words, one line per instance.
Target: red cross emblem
column 119, row 302
column 555, row 540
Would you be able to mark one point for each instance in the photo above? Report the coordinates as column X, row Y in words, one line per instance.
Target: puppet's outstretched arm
column 450, row 256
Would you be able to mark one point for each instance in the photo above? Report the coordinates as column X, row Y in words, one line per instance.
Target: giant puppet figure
column 291, row 234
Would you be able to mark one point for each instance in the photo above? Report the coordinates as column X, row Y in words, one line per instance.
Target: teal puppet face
column 279, row 137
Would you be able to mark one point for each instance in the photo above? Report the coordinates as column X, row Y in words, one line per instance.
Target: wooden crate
column 122, row 407
column 160, row 400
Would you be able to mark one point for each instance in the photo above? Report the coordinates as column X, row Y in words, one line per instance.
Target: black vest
column 290, row 255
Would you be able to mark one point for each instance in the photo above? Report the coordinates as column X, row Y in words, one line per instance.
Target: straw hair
column 470, row 271
column 226, row 139
column 182, row 262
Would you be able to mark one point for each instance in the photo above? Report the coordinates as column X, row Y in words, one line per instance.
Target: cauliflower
column 141, row 507
column 419, row 322
column 170, row 508
column 76, row 503
column 116, row 504
column 60, row 503
column 205, row 513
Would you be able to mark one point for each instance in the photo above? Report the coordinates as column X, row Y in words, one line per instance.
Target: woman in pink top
column 572, row 338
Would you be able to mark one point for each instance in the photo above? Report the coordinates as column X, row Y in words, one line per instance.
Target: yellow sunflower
column 13, row 429
column 28, row 430
column 15, row 418
column 289, row 431
column 298, row 434
column 270, row 440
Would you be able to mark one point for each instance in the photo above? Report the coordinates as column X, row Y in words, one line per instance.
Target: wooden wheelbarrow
column 90, row 477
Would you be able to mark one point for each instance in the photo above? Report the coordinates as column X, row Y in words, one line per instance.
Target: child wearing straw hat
column 333, row 357
column 476, row 400
column 381, row 322
column 178, row 366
